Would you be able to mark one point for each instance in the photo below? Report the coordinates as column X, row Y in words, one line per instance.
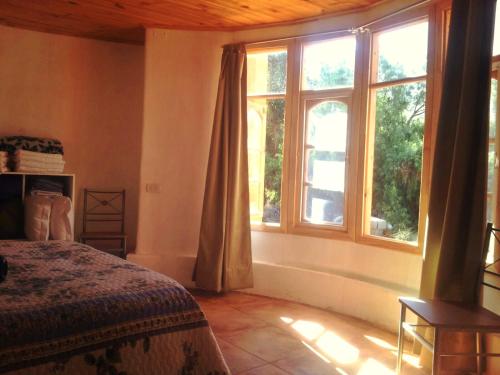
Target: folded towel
column 39, row 170
column 40, row 164
column 37, row 156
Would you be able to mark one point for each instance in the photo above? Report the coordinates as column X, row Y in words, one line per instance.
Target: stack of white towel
column 4, row 158
column 30, row 161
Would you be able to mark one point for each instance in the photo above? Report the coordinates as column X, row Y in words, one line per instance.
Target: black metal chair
column 104, row 219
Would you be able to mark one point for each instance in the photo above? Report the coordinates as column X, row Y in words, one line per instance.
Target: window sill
column 273, row 228
column 388, row 243
column 323, row 231
column 340, row 235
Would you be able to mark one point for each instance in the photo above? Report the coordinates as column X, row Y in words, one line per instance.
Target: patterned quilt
column 66, row 308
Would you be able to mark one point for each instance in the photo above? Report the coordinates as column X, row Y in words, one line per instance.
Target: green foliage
column 342, row 76
column 275, row 130
column 398, row 154
column 398, row 143
column 274, row 151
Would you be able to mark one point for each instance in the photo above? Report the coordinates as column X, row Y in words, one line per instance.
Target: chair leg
column 436, row 358
column 479, row 350
column 401, row 339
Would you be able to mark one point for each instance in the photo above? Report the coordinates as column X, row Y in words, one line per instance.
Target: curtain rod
column 353, row 30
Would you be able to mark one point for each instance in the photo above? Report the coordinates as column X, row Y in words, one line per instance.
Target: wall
column 181, row 78
column 88, row 94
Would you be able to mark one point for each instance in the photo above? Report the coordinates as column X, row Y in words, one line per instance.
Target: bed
column 66, row 308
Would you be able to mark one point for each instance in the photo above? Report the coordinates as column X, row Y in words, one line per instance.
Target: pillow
column 37, row 217
column 61, row 219
column 11, row 218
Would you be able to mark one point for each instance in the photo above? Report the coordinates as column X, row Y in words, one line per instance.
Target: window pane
column 496, row 35
column 402, row 52
column 397, row 163
column 491, row 168
column 329, row 64
column 325, row 156
column 493, row 108
column 266, row 72
column 266, row 124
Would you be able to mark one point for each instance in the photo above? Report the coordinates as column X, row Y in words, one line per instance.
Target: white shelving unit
column 17, row 184
column 26, row 178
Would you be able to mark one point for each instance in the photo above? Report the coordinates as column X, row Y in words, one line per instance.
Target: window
column 395, row 131
column 266, row 128
column 493, row 145
column 326, row 90
column 336, row 133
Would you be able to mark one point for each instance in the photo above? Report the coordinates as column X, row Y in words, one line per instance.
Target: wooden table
column 446, row 316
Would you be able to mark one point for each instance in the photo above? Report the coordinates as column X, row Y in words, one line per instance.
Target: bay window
column 336, row 129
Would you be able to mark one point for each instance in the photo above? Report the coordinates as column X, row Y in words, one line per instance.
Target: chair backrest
column 104, row 208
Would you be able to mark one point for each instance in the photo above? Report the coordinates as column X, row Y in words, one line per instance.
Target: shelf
column 37, row 174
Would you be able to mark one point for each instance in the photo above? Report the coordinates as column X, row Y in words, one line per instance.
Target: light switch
column 153, row 188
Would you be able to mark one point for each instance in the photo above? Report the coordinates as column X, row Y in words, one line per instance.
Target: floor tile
column 265, row 370
column 229, row 321
column 238, row 360
column 305, row 362
column 267, row 336
column 246, row 300
column 268, row 343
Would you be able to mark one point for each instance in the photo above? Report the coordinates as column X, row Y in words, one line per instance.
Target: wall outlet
column 153, row 188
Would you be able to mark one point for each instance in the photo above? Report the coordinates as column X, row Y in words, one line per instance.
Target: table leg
column 479, row 350
column 436, row 358
column 401, row 339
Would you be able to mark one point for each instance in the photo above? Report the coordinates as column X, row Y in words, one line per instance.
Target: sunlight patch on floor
column 337, row 348
column 307, row 329
column 329, row 346
column 408, row 358
column 316, row 352
column 382, row 343
column 286, row 319
column 374, row 367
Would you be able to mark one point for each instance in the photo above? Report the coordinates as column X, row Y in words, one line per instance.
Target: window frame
column 347, row 95
column 358, row 98
column 372, row 85
column 282, row 226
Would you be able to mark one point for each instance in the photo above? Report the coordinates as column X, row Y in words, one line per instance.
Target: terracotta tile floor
column 266, row 336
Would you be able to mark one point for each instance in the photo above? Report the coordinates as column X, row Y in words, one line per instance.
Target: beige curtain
column 224, row 259
column 457, row 207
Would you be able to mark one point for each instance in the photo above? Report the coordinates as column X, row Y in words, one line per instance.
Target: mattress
column 66, row 308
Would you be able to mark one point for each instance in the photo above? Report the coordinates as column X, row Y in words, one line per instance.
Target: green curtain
column 457, row 207
column 224, row 260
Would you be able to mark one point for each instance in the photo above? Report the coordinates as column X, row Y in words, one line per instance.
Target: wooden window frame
column 280, row 227
column 348, row 96
column 367, row 145
column 358, row 100
column 493, row 197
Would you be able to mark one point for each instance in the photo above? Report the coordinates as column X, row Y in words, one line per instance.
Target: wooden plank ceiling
column 125, row 20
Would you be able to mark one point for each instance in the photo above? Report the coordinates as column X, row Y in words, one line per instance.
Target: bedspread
column 66, row 308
